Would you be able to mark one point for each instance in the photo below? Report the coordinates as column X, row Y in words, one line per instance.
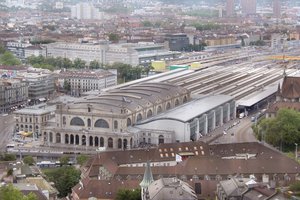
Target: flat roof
column 254, row 98
column 36, row 110
column 192, row 109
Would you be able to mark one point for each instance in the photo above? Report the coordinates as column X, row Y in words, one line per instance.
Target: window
column 101, row 123
column 159, row 109
column 139, row 117
column 64, row 120
column 89, row 122
column 115, row 124
column 168, row 106
column 161, row 139
column 176, row 102
column 128, row 122
column 149, row 113
column 76, row 121
column 110, row 143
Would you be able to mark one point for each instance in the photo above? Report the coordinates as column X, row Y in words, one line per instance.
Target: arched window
column 110, row 143
column 161, row 139
column 184, row 99
column 176, row 102
column 89, row 109
column 168, row 106
column 76, row 121
column 91, row 141
column 64, row 120
column 77, row 139
column 83, row 140
column 22, row 126
column 125, row 143
column 96, row 141
column 50, row 137
column 159, row 109
column 130, row 142
column 128, row 122
column 71, row 139
column 115, row 124
column 101, row 123
column 58, row 138
column 149, row 113
column 66, row 139
column 30, row 127
column 119, row 143
column 89, row 122
column 139, row 117
column 101, row 142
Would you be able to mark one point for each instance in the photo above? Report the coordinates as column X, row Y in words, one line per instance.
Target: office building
column 229, row 8
column 248, row 7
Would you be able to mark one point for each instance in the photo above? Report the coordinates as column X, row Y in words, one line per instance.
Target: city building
column 34, row 51
column 142, row 53
column 85, row 11
column 13, row 94
column 278, row 41
column 248, row 7
column 17, row 48
column 203, row 168
column 81, row 81
column 177, row 42
column 104, row 120
column 85, row 51
column 277, row 8
column 32, row 119
column 247, row 189
column 41, row 86
column 229, row 8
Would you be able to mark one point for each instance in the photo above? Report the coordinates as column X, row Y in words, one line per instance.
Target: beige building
column 33, row 119
column 104, row 120
column 13, row 93
column 217, row 41
column 81, row 81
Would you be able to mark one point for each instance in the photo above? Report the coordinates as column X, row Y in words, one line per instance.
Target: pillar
column 228, row 112
column 205, row 124
column 213, row 120
column 221, row 115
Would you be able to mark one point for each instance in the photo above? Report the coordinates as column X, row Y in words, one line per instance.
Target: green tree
column 147, row 23
column 28, row 160
column 94, row 64
column 7, row 58
column 282, row 131
column 10, row 172
column 9, row 192
column 113, row 37
column 64, row 178
column 126, row 194
column 81, row 159
column 2, row 49
column 79, row 64
column 8, row 157
column 64, row 160
column 295, row 187
column 67, row 86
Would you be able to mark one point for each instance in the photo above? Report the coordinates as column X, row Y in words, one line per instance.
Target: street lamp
column 296, row 152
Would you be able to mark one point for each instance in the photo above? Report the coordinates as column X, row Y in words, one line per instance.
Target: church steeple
column 147, row 180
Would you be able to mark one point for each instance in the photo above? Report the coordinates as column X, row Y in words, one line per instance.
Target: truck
column 241, row 115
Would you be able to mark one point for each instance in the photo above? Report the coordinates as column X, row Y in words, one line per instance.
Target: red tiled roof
column 291, row 87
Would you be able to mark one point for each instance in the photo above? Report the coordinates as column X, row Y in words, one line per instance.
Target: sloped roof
column 291, row 87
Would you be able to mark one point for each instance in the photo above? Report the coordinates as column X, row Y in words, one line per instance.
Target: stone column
column 221, row 115
column 213, row 120
column 205, row 124
column 228, row 112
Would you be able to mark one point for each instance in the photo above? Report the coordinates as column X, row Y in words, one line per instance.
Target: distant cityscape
column 150, row 100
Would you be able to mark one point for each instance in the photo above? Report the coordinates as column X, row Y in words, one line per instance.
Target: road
column 6, row 130
column 238, row 133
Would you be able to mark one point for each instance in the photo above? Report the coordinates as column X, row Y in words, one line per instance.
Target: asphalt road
column 238, row 133
column 6, row 130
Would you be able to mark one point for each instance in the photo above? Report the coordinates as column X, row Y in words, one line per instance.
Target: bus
column 10, row 146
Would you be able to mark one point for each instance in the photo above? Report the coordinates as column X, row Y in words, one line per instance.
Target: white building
column 85, row 11
column 81, row 81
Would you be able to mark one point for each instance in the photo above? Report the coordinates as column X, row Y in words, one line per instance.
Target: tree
column 64, row 160
column 81, row 159
column 64, row 178
column 126, row 194
column 113, row 37
column 28, row 160
column 67, row 86
column 9, row 192
column 78, row 63
column 2, row 49
column 8, row 157
column 282, row 131
column 94, row 64
column 7, row 58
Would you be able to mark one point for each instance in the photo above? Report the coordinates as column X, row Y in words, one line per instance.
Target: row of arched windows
column 100, row 123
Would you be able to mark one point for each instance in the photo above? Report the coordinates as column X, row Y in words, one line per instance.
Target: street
column 240, row 131
column 6, row 130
